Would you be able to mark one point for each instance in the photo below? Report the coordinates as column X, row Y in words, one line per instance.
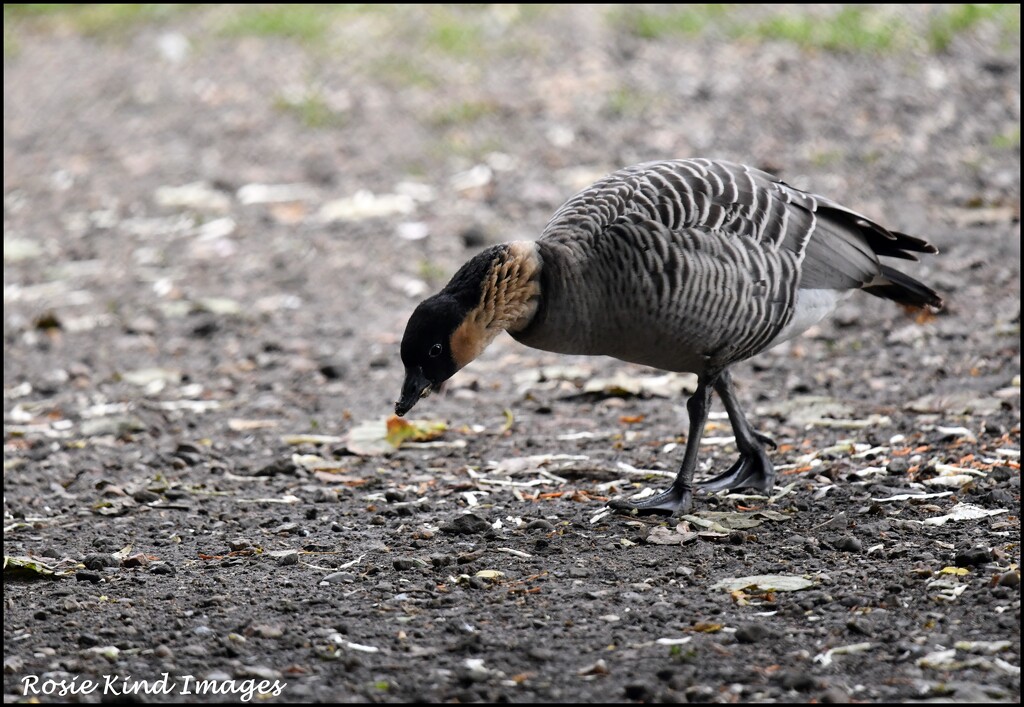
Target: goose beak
column 416, row 386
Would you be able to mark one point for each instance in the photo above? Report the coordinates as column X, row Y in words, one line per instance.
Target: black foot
column 753, row 471
column 665, row 503
column 766, row 440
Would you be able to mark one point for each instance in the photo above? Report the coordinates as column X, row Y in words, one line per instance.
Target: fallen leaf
column 826, row 658
column 490, row 574
column 661, row 535
column 765, row 583
column 964, row 511
column 400, row 430
column 239, row 425
column 724, row 521
column 314, row 462
column 598, row 668
column 365, row 205
column 384, row 436
column 705, row 627
column 23, row 567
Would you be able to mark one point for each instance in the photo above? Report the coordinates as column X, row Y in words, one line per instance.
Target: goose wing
column 836, row 248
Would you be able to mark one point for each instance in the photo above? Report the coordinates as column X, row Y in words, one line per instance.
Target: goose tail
column 899, row 287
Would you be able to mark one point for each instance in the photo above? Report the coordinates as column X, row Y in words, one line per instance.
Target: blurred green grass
column 467, row 31
column 845, row 28
column 450, row 45
column 89, row 19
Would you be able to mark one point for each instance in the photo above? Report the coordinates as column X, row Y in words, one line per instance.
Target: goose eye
column 435, row 350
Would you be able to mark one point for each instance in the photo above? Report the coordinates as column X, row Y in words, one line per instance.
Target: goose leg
column 753, row 469
column 679, row 496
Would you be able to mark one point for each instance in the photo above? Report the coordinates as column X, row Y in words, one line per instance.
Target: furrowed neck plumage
column 501, row 290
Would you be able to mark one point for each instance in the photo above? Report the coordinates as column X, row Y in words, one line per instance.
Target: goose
column 686, row 265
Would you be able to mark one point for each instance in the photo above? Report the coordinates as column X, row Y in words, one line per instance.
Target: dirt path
column 213, row 237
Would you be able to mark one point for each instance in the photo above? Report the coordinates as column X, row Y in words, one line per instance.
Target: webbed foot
column 665, row 503
column 752, row 470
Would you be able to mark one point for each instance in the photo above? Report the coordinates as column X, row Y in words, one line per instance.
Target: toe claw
column 665, row 503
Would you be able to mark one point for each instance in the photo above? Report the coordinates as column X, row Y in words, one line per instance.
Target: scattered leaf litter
column 947, row 660
column 679, row 535
column 622, row 385
column 365, row 204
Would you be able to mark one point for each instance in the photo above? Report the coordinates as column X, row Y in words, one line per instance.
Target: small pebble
column 467, row 524
column 324, row 495
column 258, row 671
column 973, row 557
column 467, row 557
column 849, row 544
column 751, row 633
column 638, row 692
column 860, row 626
column 796, row 680
column 86, row 576
column 145, row 496
column 99, row 561
column 268, row 631
column 1010, row 579
column 835, row 696
column 292, row 558
column 137, row 560
column 474, row 237
column 339, row 577
column 336, row 369
column 441, row 560
column 898, row 466
column 13, row 665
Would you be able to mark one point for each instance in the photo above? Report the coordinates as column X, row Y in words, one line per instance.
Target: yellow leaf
column 400, row 431
column 960, row 571
column 490, row 574
column 704, row 627
column 509, row 421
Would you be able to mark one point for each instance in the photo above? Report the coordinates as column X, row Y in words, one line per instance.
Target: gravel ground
column 212, row 241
